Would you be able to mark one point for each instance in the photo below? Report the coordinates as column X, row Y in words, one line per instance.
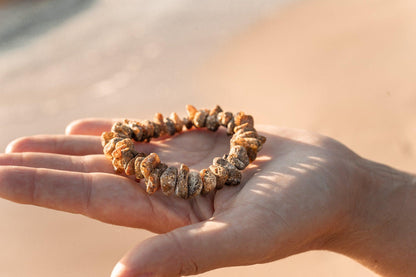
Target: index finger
column 89, row 126
column 60, row 144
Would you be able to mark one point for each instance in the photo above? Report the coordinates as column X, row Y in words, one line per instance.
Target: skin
column 304, row 192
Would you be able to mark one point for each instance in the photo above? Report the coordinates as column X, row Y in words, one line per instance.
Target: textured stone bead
column 148, row 164
column 194, row 184
column 181, row 189
column 209, row 181
column 168, row 180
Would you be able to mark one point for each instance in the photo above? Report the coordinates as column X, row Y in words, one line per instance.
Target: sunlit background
column 342, row 68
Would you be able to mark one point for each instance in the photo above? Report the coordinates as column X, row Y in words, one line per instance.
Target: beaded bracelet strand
column 244, row 145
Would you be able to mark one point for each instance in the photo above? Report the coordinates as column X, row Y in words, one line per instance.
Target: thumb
column 192, row 249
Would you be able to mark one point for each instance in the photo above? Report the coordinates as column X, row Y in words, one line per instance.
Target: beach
column 342, row 69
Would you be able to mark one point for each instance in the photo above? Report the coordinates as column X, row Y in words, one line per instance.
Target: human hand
column 295, row 197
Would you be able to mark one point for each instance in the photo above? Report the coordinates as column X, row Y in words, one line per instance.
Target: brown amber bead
column 241, row 118
column 122, row 129
column 170, row 126
column 200, row 118
column 148, row 164
column 122, row 144
column 118, row 167
column 137, row 130
column 224, row 118
column 129, row 167
column 177, row 122
column 233, row 174
column 157, row 130
column 230, row 127
column 181, row 189
column 127, row 155
column 153, row 182
column 191, row 110
column 220, row 174
column 106, row 137
column 137, row 171
column 252, row 154
column 168, row 180
column 209, row 181
column 243, row 128
column 253, row 143
column 187, row 122
column 148, row 129
column 238, row 157
column 212, row 120
column 246, row 134
column 160, row 127
column 194, row 184
column 110, row 146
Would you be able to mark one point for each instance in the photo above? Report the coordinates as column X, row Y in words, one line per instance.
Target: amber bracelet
column 244, row 145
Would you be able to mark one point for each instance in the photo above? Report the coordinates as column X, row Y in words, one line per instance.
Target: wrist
column 382, row 222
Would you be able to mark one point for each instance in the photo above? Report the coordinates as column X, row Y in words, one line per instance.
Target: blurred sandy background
column 342, row 68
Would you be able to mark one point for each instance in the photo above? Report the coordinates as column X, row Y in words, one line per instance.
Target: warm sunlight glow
column 118, row 269
column 209, row 226
column 263, row 158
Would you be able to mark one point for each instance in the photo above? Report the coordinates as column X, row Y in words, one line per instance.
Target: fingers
column 195, row 249
column 106, row 197
column 90, row 163
column 60, row 144
column 89, row 126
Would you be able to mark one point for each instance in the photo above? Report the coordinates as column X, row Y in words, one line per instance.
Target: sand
column 341, row 68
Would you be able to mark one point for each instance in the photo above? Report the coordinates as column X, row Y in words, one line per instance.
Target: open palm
column 289, row 201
